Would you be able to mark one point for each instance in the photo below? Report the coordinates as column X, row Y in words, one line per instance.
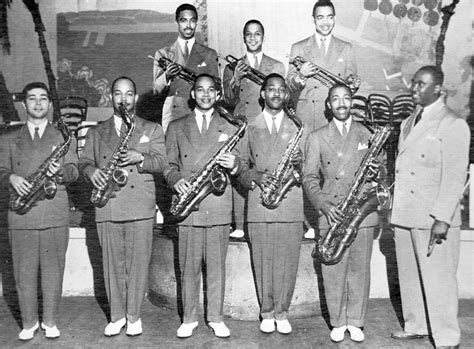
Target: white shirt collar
column 269, row 119
column 41, row 128
column 118, row 123
column 326, row 38
column 339, row 124
column 182, row 42
column 209, row 114
column 433, row 106
column 251, row 59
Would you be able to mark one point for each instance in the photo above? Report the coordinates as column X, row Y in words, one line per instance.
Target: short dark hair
column 271, row 76
column 253, row 21
column 324, row 3
column 338, row 84
column 184, row 7
column 33, row 85
column 217, row 85
column 436, row 73
column 123, row 77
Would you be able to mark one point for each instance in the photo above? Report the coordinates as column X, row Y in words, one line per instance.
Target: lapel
column 108, row 134
column 266, row 65
column 312, row 51
column 196, row 56
column 191, row 131
column 334, row 50
column 24, row 142
column 334, row 138
column 349, row 146
column 262, row 136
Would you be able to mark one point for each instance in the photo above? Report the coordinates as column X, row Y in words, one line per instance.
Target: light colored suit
column 40, row 237
column 275, row 235
column 201, row 59
column 310, row 97
column 431, row 170
column 330, row 166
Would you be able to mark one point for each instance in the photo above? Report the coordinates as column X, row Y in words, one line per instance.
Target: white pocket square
column 223, row 137
column 144, row 139
column 203, row 64
column 340, row 59
column 362, row 146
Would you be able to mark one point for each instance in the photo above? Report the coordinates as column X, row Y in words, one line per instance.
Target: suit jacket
column 331, row 164
column 136, row 200
column 310, row 97
column 264, row 156
column 431, row 169
column 188, row 151
column 19, row 155
column 244, row 98
column 201, row 59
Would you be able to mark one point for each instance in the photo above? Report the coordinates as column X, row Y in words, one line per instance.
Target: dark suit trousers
column 32, row 251
column 275, row 254
column 431, row 280
column 347, row 283
column 126, row 253
column 198, row 245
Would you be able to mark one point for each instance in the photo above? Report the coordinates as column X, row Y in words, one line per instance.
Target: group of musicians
column 200, row 146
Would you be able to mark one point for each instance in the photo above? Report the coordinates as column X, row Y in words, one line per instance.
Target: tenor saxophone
column 43, row 186
column 116, row 178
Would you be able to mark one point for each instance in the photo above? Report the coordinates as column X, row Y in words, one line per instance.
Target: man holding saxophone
column 120, row 155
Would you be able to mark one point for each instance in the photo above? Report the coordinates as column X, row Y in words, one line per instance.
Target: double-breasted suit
column 275, row 235
column 201, row 60
column 331, row 163
column 125, row 223
column 431, row 170
column 39, row 238
column 204, row 234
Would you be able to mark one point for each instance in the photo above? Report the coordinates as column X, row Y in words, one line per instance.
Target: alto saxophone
column 43, row 186
column 357, row 204
column 285, row 175
column 211, row 178
column 116, row 178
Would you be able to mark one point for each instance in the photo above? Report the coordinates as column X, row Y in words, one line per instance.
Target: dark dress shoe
column 407, row 335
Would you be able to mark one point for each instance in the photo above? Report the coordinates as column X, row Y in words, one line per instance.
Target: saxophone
column 211, row 178
column 356, row 205
column 285, row 175
column 43, row 186
column 116, row 177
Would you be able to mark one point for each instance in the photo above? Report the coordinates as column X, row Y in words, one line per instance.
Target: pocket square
column 223, row 137
column 362, row 146
column 144, row 139
column 203, row 64
column 340, row 59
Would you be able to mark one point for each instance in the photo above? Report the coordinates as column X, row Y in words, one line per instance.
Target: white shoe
column 50, row 332
column 220, row 329
column 27, row 334
column 356, row 333
column 309, row 234
column 237, row 234
column 283, row 326
column 134, row 329
column 186, row 330
column 267, row 325
column 113, row 328
column 337, row 334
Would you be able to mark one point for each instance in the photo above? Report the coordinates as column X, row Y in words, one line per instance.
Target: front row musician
column 125, row 220
column 275, row 233
column 191, row 142
column 333, row 155
column 38, row 160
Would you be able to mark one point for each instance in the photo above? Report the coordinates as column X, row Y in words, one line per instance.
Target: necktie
column 204, row 124
column 274, row 128
column 323, row 47
column 344, row 131
column 418, row 116
column 186, row 50
column 36, row 136
column 255, row 62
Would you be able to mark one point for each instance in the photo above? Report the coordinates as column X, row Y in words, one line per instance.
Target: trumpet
column 252, row 73
column 327, row 78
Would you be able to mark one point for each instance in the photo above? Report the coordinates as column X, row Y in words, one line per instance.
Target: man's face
column 275, row 94
column 37, row 103
column 340, row 101
column 253, row 38
column 187, row 21
column 123, row 92
column 423, row 89
column 204, row 93
column 324, row 20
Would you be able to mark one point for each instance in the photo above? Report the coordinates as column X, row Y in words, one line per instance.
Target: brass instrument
column 211, row 178
column 252, row 73
column 43, row 186
column 327, row 78
column 285, row 174
column 116, row 178
column 357, row 204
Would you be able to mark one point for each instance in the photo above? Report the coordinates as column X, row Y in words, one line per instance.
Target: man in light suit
column 330, row 53
column 185, row 52
column 125, row 223
column 204, row 235
column 431, row 170
column 333, row 155
column 243, row 94
column 39, row 238
column 275, row 234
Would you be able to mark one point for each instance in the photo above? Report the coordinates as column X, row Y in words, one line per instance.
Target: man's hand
column 98, row 178
column 172, row 70
column 439, row 232
column 54, row 168
column 264, row 179
column 182, row 186
column 297, row 158
column 240, row 71
column 228, row 160
column 308, row 69
column 332, row 213
column 130, row 157
column 21, row 185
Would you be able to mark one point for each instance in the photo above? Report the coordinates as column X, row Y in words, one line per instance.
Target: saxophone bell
column 120, row 177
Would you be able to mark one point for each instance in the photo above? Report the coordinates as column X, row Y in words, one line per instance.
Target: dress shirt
column 209, row 114
column 41, row 128
column 182, row 43
column 340, row 124
column 268, row 120
column 327, row 40
column 251, row 58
